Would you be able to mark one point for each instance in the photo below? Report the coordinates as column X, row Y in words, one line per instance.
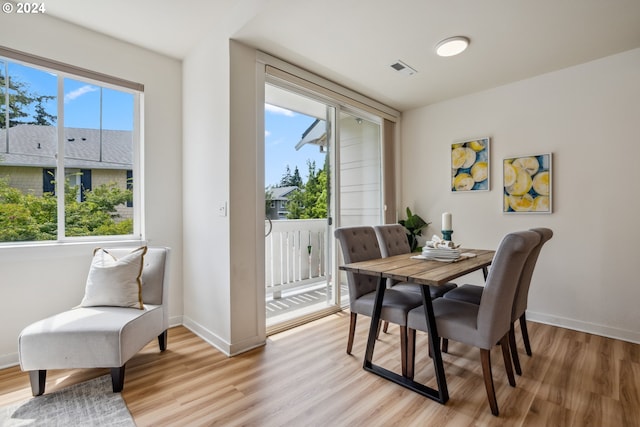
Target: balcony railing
column 295, row 253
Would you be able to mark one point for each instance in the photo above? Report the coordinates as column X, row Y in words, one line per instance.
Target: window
column 88, row 190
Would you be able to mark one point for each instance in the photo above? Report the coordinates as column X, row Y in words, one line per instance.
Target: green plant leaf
column 414, row 225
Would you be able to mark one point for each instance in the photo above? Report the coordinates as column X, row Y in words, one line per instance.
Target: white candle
column 446, row 221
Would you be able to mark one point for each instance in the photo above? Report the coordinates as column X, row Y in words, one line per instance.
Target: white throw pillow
column 115, row 282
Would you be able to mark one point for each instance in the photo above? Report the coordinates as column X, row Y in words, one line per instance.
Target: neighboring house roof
column 281, row 193
column 36, row 146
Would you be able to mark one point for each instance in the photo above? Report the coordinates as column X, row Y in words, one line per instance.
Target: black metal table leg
column 434, row 344
column 441, row 394
column 375, row 319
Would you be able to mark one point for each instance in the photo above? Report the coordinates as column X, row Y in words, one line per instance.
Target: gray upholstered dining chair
column 473, row 294
column 361, row 244
column 393, row 240
column 485, row 324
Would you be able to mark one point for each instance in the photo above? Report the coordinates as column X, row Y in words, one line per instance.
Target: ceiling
column 354, row 42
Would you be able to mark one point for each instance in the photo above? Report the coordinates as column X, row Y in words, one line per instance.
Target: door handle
column 270, row 226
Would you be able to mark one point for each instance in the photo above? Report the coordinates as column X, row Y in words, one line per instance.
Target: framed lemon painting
column 470, row 165
column 527, row 184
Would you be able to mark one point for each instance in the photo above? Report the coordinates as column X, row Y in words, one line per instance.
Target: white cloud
column 79, row 92
column 266, row 133
column 278, row 110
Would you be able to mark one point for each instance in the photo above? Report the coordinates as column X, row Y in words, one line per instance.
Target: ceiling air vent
column 403, row 68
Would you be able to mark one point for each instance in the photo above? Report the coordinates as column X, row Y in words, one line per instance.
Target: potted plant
column 414, row 225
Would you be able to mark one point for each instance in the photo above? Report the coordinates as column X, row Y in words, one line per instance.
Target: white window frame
column 63, row 71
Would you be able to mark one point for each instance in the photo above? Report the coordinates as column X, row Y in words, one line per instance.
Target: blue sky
column 283, row 130
column 81, row 99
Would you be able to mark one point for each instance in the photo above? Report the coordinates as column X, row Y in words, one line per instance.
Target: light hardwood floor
column 303, row 377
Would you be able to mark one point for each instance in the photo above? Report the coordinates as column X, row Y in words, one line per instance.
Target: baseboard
column 246, row 345
column 175, row 321
column 587, row 327
column 220, row 344
column 9, row 360
column 208, row 336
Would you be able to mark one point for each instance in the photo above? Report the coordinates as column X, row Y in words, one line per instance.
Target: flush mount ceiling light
column 452, row 46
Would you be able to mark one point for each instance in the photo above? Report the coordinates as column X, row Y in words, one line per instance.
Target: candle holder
column 446, row 235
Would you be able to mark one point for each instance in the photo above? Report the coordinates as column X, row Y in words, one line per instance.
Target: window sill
column 19, row 250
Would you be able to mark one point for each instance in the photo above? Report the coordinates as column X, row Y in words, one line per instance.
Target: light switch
column 222, row 209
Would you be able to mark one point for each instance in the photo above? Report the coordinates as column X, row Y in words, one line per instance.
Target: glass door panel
column 360, row 177
column 298, row 143
column 360, row 171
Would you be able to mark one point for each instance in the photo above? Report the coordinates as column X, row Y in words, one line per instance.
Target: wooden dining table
column 423, row 273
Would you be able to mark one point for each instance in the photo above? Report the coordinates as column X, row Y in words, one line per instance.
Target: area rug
column 91, row 403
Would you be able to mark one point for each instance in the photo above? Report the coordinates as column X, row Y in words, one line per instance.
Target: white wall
column 39, row 281
column 224, row 281
column 206, row 184
column 588, row 116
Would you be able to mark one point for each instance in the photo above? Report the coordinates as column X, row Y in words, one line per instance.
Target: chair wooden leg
column 162, row 341
column 38, row 380
column 525, row 334
column 514, row 350
column 385, row 327
column 117, row 379
column 411, row 353
column 485, row 356
column 352, row 331
column 403, row 349
column 504, row 344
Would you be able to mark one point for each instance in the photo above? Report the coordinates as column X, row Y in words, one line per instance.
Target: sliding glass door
column 323, row 167
column 298, row 166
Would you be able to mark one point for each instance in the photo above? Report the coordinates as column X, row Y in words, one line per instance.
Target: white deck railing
column 295, row 254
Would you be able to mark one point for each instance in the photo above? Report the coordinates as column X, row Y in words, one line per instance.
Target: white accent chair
column 100, row 337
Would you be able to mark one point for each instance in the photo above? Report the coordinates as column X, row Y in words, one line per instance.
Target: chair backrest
column 522, row 292
column 358, row 244
column 494, row 313
column 392, row 239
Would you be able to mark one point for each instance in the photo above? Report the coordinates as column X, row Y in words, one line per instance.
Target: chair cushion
column 435, row 291
column 467, row 293
column 455, row 320
column 91, row 337
column 395, row 306
column 115, row 281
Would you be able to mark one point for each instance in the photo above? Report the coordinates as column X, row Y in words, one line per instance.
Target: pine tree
column 20, row 101
column 310, row 200
column 42, row 116
column 291, row 180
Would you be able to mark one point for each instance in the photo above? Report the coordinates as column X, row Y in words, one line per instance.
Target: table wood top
column 422, row 271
